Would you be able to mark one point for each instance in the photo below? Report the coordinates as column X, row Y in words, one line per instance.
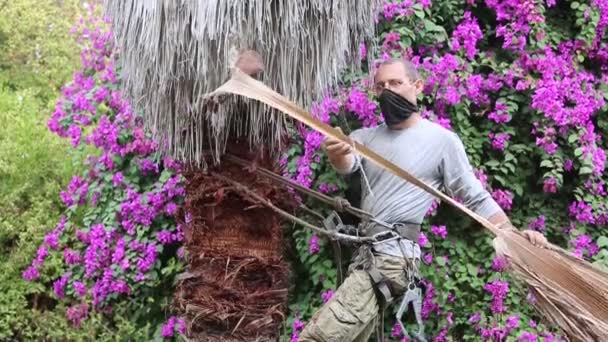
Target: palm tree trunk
column 236, row 283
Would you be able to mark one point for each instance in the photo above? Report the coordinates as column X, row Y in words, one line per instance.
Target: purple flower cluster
column 327, row 295
column 498, row 289
column 77, row 313
column 51, row 240
column 313, row 140
column 440, row 231
column 172, row 325
column 499, row 140
column 504, row 198
column 466, row 35
column 582, row 212
column 327, row 188
column 167, row 237
column 76, row 192
column 550, row 185
column 538, row 224
column 500, row 264
column 313, row 244
column 297, row 327
column 423, row 240
column 401, row 8
column 499, row 115
column 359, row 104
column 429, row 306
column 515, row 18
column 584, row 243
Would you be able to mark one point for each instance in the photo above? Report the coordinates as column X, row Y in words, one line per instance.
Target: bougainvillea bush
column 524, row 84
column 115, row 251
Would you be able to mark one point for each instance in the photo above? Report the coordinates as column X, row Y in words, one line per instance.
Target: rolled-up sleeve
column 460, row 182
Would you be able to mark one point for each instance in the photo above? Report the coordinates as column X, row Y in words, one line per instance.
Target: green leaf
column 440, row 261
column 602, row 241
column 492, row 163
column 472, row 270
column 578, row 152
column 546, row 163
column 585, row 170
column 501, row 180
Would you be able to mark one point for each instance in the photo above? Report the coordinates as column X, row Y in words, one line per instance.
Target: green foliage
column 459, row 266
column 34, row 167
column 36, row 58
column 36, row 50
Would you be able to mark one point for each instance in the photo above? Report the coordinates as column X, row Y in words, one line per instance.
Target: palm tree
column 174, row 52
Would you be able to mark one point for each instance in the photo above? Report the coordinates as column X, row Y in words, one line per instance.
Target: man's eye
column 395, row 83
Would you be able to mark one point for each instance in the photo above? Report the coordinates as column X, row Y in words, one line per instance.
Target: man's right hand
column 336, row 148
column 340, row 154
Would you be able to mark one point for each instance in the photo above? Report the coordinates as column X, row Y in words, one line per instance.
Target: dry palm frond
column 173, row 52
column 571, row 293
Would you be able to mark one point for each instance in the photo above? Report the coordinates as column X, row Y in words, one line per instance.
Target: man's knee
column 334, row 323
column 345, row 316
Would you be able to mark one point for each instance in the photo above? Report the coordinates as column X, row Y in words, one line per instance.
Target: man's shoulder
column 439, row 133
column 363, row 132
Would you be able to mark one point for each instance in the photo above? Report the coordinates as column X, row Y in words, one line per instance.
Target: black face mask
column 395, row 107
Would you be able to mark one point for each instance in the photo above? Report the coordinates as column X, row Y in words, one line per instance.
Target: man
column 428, row 151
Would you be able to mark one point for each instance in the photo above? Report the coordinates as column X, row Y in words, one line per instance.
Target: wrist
column 342, row 163
column 506, row 225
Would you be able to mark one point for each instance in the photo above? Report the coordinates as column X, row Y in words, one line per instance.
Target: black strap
column 384, row 298
column 409, row 231
column 381, row 286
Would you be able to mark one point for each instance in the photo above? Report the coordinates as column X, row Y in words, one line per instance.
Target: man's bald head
column 410, row 69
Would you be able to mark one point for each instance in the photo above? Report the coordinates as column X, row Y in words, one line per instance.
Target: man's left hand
column 250, row 62
column 536, row 238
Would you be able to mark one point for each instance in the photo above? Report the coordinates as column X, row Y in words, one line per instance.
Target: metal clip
column 412, row 295
column 333, row 223
column 385, row 236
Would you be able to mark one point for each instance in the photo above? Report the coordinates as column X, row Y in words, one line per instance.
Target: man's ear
column 419, row 84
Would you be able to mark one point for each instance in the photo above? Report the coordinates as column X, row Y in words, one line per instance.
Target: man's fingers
column 536, row 238
column 334, row 143
column 528, row 234
column 339, row 148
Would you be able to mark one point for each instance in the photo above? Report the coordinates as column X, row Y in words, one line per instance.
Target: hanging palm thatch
column 173, row 52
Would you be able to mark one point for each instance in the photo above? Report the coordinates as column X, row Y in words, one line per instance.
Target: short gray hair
column 410, row 69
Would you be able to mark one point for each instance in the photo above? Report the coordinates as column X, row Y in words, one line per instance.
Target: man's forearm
column 501, row 220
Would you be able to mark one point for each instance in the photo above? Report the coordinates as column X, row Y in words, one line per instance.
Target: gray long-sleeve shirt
column 428, row 151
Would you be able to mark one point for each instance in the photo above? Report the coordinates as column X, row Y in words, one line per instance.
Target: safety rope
column 339, row 203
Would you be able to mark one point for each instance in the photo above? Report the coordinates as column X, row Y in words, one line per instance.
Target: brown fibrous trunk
column 235, row 285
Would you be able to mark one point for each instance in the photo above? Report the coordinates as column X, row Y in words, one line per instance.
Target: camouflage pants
column 352, row 313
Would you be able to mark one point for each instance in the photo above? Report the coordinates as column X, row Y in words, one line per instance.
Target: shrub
column 524, row 86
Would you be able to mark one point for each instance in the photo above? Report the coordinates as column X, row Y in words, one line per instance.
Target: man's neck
column 409, row 122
